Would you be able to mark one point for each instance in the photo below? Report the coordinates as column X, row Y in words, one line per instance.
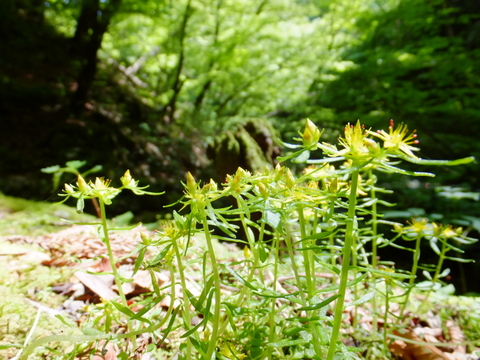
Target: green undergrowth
column 25, row 217
column 25, row 285
column 305, row 282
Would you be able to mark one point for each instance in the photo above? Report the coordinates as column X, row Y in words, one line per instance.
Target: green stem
column 272, row 334
column 349, row 241
column 385, row 316
column 374, row 225
column 186, row 300
column 416, row 258
column 291, row 254
column 444, row 250
column 111, row 258
column 305, row 252
column 216, row 317
column 113, row 265
column 309, row 275
column 255, row 255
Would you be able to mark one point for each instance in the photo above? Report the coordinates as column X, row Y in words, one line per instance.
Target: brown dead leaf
column 421, row 350
column 99, row 284
column 456, row 336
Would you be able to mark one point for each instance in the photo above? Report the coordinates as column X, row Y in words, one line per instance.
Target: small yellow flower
column 354, row 141
column 128, row 181
column 450, row 232
column 418, row 227
column 101, row 184
column 398, row 139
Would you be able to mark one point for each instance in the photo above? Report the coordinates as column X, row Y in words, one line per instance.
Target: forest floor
column 51, row 272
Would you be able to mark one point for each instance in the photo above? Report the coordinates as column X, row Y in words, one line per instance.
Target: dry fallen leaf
column 420, row 350
column 99, row 284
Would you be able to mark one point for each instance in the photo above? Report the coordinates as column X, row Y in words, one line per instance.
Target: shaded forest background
column 166, row 87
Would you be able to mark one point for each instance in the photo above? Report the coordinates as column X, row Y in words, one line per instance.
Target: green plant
column 362, row 155
column 104, row 193
column 72, row 167
column 305, row 265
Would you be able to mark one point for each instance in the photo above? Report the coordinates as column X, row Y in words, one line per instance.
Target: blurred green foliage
column 151, row 85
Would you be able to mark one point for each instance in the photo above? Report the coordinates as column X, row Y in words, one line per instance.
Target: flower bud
column 247, row 253
column 69, row 190
column 371, row 145
column 237, row 178
column 145, row 238
column 279, row 171
column 191, row 184
column 263, row 190
column 333, row 186
column 398, row 228
column 99, row 184
column 82, row 184
column 289, row 179
column 311, row 135
column 212, row 185
column 127, row 179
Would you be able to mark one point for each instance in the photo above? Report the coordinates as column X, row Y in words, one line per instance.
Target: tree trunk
column 91, row 26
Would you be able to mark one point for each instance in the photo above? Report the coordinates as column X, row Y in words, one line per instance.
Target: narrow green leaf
column 62, row 319
column 158, row 259
column 393, row 275
column 75, row 164
column 462, row 161
column 320, row 304
column 427, row 274
column 123, row 309
column 92, row 331
column 192, row 330
column 289, row 156
column 95, row 169
column 285, row 343
column 444, row 273
column 50, row 169
column 357, row 280
column 325, row 160
column 207, row 314
column 329, row 266
column 363, row 299
column 139, row 260
column 147, row 307
column 200, row 346
column 405, row 172
column 170, row 324
column 433, row 245
column 239, row 278
column 3, row 347
column 204, row 293
column 460, row 260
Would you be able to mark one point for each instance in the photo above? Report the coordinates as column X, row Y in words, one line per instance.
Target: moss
column 24, row 283
column 25, row 217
